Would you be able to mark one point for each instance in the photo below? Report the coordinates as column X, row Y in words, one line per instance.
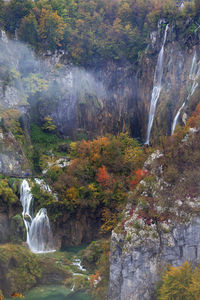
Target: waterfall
column 39, row 236
column 176, row 118
column 194, row 75
column 156, row 86
column 4, row 36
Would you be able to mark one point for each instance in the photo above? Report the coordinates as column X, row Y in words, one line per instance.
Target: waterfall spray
column 157, row 85
column 39, row 236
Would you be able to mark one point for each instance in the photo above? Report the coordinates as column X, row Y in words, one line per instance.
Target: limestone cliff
column 160, row 225
column 136, row 265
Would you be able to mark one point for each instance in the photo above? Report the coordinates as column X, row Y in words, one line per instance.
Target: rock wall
column 110, row 98
column 76, row 229
column 134, row 269
column 116, row 97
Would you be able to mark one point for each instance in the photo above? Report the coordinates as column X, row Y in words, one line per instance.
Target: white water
column 4, row 36
column 43, row 185
column 39, row 236
column 157, row 85
column 193, row 76
column 77, row 262
column 176, row 118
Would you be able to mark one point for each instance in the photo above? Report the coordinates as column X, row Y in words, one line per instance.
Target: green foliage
column 96, row 258
column 15, row 11
column 98, row 176
column 41, row 198
column 91, row 31
column 43, row 139
column 48, row 125
column 17, row 229
column 22, row 269
column 35, row 83
column 7, row 195
column 10, row 122
column 51, row 29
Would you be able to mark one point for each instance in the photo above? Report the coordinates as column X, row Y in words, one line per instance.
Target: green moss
column 22, row 269
column 43, row 139
column 17, row 229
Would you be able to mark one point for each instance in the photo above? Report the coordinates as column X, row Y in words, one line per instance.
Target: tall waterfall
column 39, row 236
column 193, row 76
column 156, row 86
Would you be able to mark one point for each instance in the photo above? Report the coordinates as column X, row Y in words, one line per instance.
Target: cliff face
column 116, row 97
column 160, row 225
column 112, row 98
column 76, row 229
column 137, row 265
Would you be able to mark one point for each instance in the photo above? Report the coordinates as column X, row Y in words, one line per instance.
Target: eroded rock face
column 76, row 229
column 134, row 270
column 4, row 227
column 12, row 159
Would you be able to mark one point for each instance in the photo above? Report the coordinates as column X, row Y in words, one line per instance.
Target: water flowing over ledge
column 39, row 236
column 193, row 76
column 157, row 85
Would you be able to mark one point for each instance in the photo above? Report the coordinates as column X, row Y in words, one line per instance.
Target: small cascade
column 193, row 76
column 4, row 36
column 39, row 235
column 156, row 87
column 176, row 118
column 43, row 185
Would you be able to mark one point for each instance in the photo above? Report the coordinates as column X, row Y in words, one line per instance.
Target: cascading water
column 156, row 86
column 176, row 118
column 39, row 235
column 4, row 36
column 193, row 76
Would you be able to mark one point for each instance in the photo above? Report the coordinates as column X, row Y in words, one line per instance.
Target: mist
column 48, row 85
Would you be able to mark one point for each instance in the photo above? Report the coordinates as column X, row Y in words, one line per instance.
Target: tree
column 48, row 124
column 15, row 11
column 103, row 177
column 28, row 30
column 6, row 193
column 176, row 282
column 51, row 29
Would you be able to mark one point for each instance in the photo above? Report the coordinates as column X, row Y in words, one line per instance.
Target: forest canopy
column 91, row 31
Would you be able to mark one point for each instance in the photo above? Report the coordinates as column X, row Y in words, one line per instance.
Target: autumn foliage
column 99, row 175
column 180, row 283
column 103, row 177
column 139, row 175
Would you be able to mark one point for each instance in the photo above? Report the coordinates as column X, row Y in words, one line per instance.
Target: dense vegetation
column 100, row 174
column 180, row 283
column 93, row 31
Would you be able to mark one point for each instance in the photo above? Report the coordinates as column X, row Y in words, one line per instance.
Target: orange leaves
column 139, row 175
column 94, row 279
column 17, row 295
column 103, row 177
column 194, row 120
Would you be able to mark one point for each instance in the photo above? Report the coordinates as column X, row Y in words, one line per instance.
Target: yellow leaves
column 35, row 83
column 180, row 283
column 48, row 124
column 109, row 220
column 92, row 187
column 6, row 193
column 72, row 194
column 51, row 27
